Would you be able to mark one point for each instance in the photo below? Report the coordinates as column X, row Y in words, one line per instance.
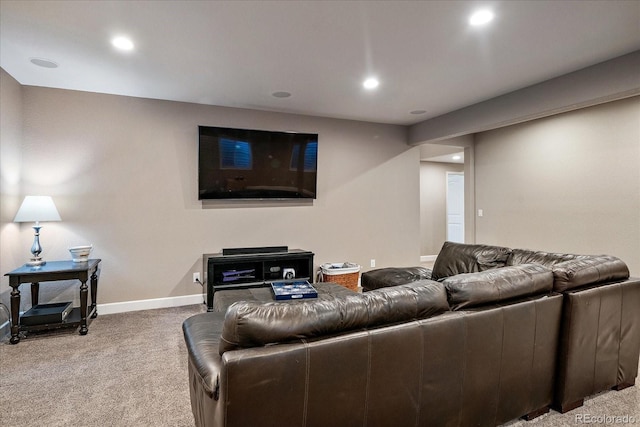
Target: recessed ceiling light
column 417, row 112
column 481, row 17
column 41, row 62
column 371, row 83
column 456, row 157
column 122, row 43
column 281, row 94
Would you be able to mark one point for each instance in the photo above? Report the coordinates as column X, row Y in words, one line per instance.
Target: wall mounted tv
column 256, row 164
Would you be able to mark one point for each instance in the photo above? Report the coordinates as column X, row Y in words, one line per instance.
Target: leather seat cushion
column 254, row 324
column 490, row 286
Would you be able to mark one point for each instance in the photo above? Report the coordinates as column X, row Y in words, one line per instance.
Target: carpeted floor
column 131, row 370
column 604, row 409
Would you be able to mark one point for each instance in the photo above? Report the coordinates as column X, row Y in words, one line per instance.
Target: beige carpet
column 604, row 409
column 131, row 370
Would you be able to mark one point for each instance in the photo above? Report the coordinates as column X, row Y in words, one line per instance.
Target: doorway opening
column 455, row 207
column 444, row 206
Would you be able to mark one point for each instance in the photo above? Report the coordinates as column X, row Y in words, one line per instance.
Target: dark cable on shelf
column 204, row 297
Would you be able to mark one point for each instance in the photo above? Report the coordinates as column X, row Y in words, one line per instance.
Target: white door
column 455, row 207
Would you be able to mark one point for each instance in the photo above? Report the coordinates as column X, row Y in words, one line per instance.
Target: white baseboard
column 149, row 304
column 428, row 258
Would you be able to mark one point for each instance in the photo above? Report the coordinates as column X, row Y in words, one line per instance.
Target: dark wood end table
column 49, row 272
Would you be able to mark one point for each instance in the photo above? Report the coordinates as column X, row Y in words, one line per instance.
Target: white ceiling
column 237, row 53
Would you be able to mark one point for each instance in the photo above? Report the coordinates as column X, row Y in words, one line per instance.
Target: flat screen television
column 256, row 164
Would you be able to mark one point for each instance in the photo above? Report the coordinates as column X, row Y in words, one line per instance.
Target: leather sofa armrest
column 600, row 341
column 588, row 270
column 201, row 335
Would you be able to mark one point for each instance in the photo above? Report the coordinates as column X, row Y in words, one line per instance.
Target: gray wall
column 10, row 170
column 433, row 205
column 568, row 183
column 123, row 173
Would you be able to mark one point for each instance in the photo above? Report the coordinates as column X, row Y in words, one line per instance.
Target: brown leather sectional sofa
column 490, row 342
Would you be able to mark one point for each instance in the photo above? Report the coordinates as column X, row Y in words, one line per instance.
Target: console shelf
column 248, row 270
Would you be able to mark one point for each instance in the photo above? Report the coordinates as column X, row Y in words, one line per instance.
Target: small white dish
column 80, row 253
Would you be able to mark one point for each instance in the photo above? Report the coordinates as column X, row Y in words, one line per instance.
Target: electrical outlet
column 373, row 263
column 196, row 277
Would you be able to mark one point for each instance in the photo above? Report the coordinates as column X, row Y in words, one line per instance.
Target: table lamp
column 36, row 209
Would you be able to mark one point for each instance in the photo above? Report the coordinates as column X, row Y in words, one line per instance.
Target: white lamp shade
column 37, row 208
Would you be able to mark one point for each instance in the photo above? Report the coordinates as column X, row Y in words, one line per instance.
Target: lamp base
column 37, row 261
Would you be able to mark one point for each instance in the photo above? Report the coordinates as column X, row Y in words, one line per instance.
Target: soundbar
column 258, row 250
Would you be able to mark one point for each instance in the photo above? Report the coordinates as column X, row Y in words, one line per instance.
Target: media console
column 254, row 267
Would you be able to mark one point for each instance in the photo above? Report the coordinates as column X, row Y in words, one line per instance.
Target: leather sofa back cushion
column 548, row 259
column 255, row 324
column 588, row 270
column 457, row 258
column 473, row 289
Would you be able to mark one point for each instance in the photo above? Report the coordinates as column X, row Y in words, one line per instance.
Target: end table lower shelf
column 72, row 321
